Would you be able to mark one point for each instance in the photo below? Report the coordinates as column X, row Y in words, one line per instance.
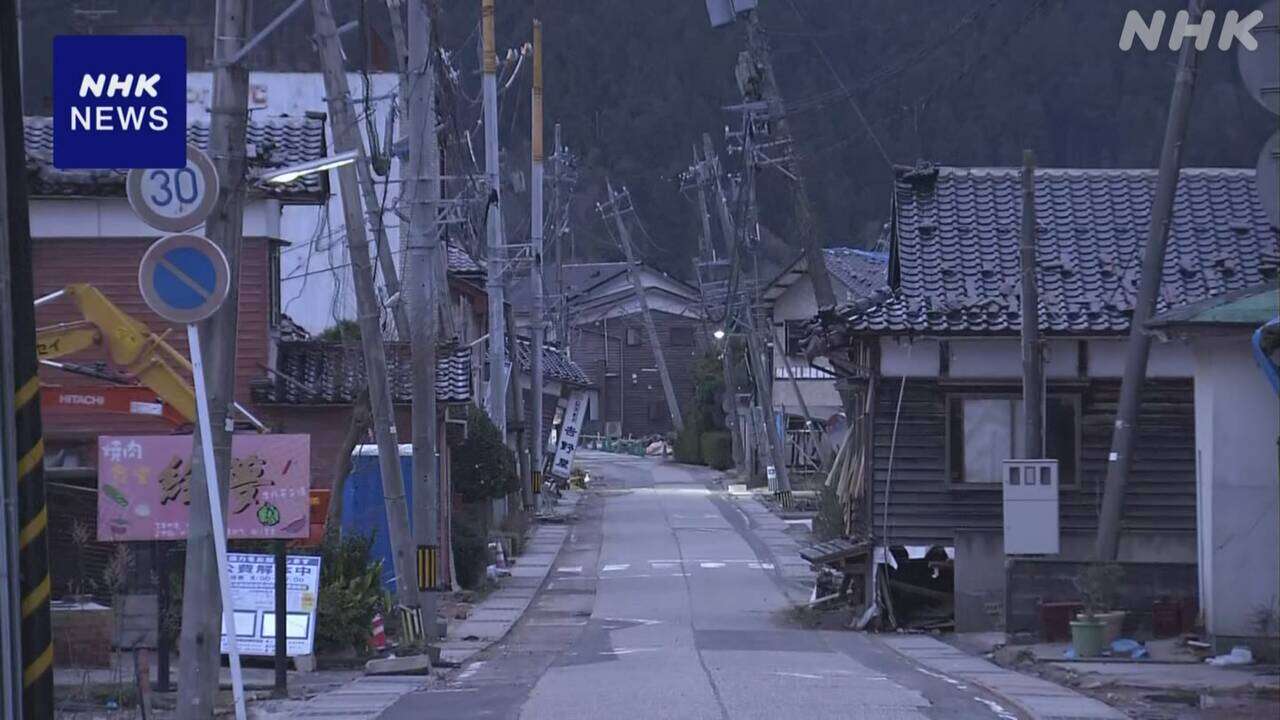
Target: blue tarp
column 364, row 510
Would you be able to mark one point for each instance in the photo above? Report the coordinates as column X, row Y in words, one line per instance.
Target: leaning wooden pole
column 1124, row 436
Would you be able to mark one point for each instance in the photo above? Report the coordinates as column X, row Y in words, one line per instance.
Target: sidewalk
column 780, row 539
column 1039, row 699
column 489, row 621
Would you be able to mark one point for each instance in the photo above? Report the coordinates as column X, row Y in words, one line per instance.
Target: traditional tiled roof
column 555, row 365
column 461, row 262
column 862, row 271
column 272, row 143
column 954, row 265
column 322, row 373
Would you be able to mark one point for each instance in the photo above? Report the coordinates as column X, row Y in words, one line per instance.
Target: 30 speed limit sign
column 175, row 199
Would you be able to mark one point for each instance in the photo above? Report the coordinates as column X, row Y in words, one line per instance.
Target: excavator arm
column 129, row 343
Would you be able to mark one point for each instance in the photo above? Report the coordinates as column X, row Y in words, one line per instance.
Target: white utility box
column 1030, row 507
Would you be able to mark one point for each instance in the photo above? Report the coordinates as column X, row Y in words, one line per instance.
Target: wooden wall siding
column 642, row 406
column 925, row 509
column 111, row 265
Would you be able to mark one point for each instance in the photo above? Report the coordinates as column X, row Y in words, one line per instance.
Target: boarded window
column 983, row 432
column 633, row 336
column 681, row 336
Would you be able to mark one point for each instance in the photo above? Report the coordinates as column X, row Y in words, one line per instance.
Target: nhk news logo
column 1234, row 28
column 119, row 101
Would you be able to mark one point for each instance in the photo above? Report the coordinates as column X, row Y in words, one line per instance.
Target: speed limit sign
column 175, row 199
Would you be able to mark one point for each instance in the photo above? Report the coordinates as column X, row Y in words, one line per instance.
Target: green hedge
column 717, row 449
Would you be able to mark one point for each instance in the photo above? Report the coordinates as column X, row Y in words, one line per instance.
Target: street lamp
column 284, row 175
column 718, row 334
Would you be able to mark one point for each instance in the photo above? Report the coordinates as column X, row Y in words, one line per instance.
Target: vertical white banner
column 567, row 439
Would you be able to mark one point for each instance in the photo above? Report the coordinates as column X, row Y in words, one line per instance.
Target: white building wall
column 912, row 358
column 315, row 274
column 797, row 303
column 1171, row 359
column 1238, row 486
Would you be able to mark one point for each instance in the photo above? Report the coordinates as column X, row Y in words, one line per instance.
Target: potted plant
column 1096, row 582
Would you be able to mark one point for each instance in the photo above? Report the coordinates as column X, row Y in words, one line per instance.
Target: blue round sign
column 184, row 278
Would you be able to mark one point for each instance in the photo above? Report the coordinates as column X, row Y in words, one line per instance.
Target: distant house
column 1237, row 493
column 607, row 338
column 84, row 231
column 939, row 361
column 790, row 303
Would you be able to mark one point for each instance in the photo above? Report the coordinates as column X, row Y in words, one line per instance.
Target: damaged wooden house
column 935, row 362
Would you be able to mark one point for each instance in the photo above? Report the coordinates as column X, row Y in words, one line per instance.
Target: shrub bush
column 717, row 449
column 688, row 447
column 470, row 546
column 483, row 467
column 350, row 592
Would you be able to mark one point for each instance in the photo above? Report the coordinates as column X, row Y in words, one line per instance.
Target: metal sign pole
column 215, row 512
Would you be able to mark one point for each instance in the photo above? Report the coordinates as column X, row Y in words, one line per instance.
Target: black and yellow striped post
column 33, row 515
column 537, row 481
column 428, row 567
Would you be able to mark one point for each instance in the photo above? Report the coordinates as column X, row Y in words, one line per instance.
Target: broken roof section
column 859, row 272
column 953, row 265
column 271, row 143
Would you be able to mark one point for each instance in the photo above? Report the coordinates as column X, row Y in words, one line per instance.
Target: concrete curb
column 797, row 574
column 493, row 617
column 1039, row 699
column 490, row 621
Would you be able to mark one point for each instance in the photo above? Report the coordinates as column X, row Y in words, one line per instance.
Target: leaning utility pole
column 1032, row 368
column 1135, row 364
column 199, row 641
column 346, row 138
column 496, row 242
column 538, row 441
column 422, row 252
column 659, row 357
column 758, row 47
column 735, row 241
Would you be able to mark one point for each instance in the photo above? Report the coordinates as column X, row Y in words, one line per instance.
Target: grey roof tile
column 320, row 373
column 954, row 261
column 272, row 143
column 555, row 365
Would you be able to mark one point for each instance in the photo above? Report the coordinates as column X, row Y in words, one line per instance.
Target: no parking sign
column 184, row 278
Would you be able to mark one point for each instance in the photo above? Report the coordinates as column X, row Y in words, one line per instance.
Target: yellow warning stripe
column 32, row 530
column 38, row 667
column 35, row 598
column 31, row 459
column 27, row 392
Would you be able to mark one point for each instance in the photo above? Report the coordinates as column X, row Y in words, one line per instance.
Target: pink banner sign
column 144, row 487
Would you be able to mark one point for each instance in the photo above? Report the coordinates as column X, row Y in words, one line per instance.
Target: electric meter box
column 1030, row 507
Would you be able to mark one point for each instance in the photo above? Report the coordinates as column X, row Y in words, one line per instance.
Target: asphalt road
column 663, row 605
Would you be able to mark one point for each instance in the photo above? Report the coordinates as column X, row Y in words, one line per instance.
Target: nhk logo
column 119, row 101
column 1233, row 29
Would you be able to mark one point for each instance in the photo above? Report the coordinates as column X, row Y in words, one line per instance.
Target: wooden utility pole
column 495, row 237
column 1032, row 363
column 806, row 227
column 1135, row 365
column 421, row 256
column 346, row 138
column 199, row 641
column 659, row 357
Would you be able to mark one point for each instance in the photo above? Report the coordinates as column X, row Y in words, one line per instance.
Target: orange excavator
column 145, row 358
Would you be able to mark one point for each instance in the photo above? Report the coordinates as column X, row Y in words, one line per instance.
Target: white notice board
column 253, row 593
column 567, row 441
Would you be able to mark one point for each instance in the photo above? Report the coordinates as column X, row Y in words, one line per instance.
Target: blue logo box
column 119, row 101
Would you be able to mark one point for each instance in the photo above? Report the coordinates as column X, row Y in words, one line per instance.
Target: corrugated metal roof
column 272, row 143
column 320, row 373
column 954, row 261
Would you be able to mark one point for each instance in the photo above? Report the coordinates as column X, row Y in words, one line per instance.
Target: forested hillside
column 636, row 82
